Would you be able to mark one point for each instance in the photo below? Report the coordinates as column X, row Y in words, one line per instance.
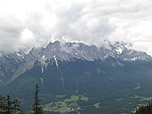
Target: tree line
column 147, row 109
column 9, row 106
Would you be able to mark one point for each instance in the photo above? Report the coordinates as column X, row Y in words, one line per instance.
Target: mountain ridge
column 67, row 52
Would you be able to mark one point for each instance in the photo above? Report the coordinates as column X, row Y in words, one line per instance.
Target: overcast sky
column 28, row 23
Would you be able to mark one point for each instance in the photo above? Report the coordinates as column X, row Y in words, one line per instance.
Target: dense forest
column 147, row 109
column 9, row 106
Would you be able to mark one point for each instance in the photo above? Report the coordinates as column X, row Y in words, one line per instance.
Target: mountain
column 111, row 86
column 9, row 63
column 75, row 77
column 71, row 51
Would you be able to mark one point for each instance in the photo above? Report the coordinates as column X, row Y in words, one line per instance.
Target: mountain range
column 76, row 77
column 14, row 64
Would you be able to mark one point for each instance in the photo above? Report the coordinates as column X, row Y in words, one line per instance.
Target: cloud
column 28, row 23
column 10, row 29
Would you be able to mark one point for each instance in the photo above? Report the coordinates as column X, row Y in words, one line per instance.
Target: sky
column 34, row 23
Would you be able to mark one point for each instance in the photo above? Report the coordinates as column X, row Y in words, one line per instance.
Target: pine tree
column 9, row 105
column 2, row 104
column 37, row 109
column 147, row 109
column 16, row 106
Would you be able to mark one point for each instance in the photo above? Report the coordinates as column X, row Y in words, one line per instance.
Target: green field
column 66, row 103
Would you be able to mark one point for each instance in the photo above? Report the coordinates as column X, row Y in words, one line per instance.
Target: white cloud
column 27, row 23
column 27, row 37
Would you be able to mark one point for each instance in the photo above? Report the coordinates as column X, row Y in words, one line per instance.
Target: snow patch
column 134, row 58
column 18, row 54
column 44, row 64
column 43, row 57
column 56, row 62
column 119, row 50
column 41, row 80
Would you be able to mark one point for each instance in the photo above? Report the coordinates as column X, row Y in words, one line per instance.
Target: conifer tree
column 147, row 109
column 9, row 105
column 37, row 109
column 2, row 104
column 16, row 106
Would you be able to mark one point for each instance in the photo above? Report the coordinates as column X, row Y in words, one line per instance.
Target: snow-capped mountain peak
column 56, row 51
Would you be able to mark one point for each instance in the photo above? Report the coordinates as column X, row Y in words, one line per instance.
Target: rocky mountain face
column 9, row 63
column 15, row 64
column 70, row 51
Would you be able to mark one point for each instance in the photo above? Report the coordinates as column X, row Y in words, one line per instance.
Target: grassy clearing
column 97, row 105
column 76, row 98
column 55, row 105
column 66, row 103
column 60, row 96
column 142, row 98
